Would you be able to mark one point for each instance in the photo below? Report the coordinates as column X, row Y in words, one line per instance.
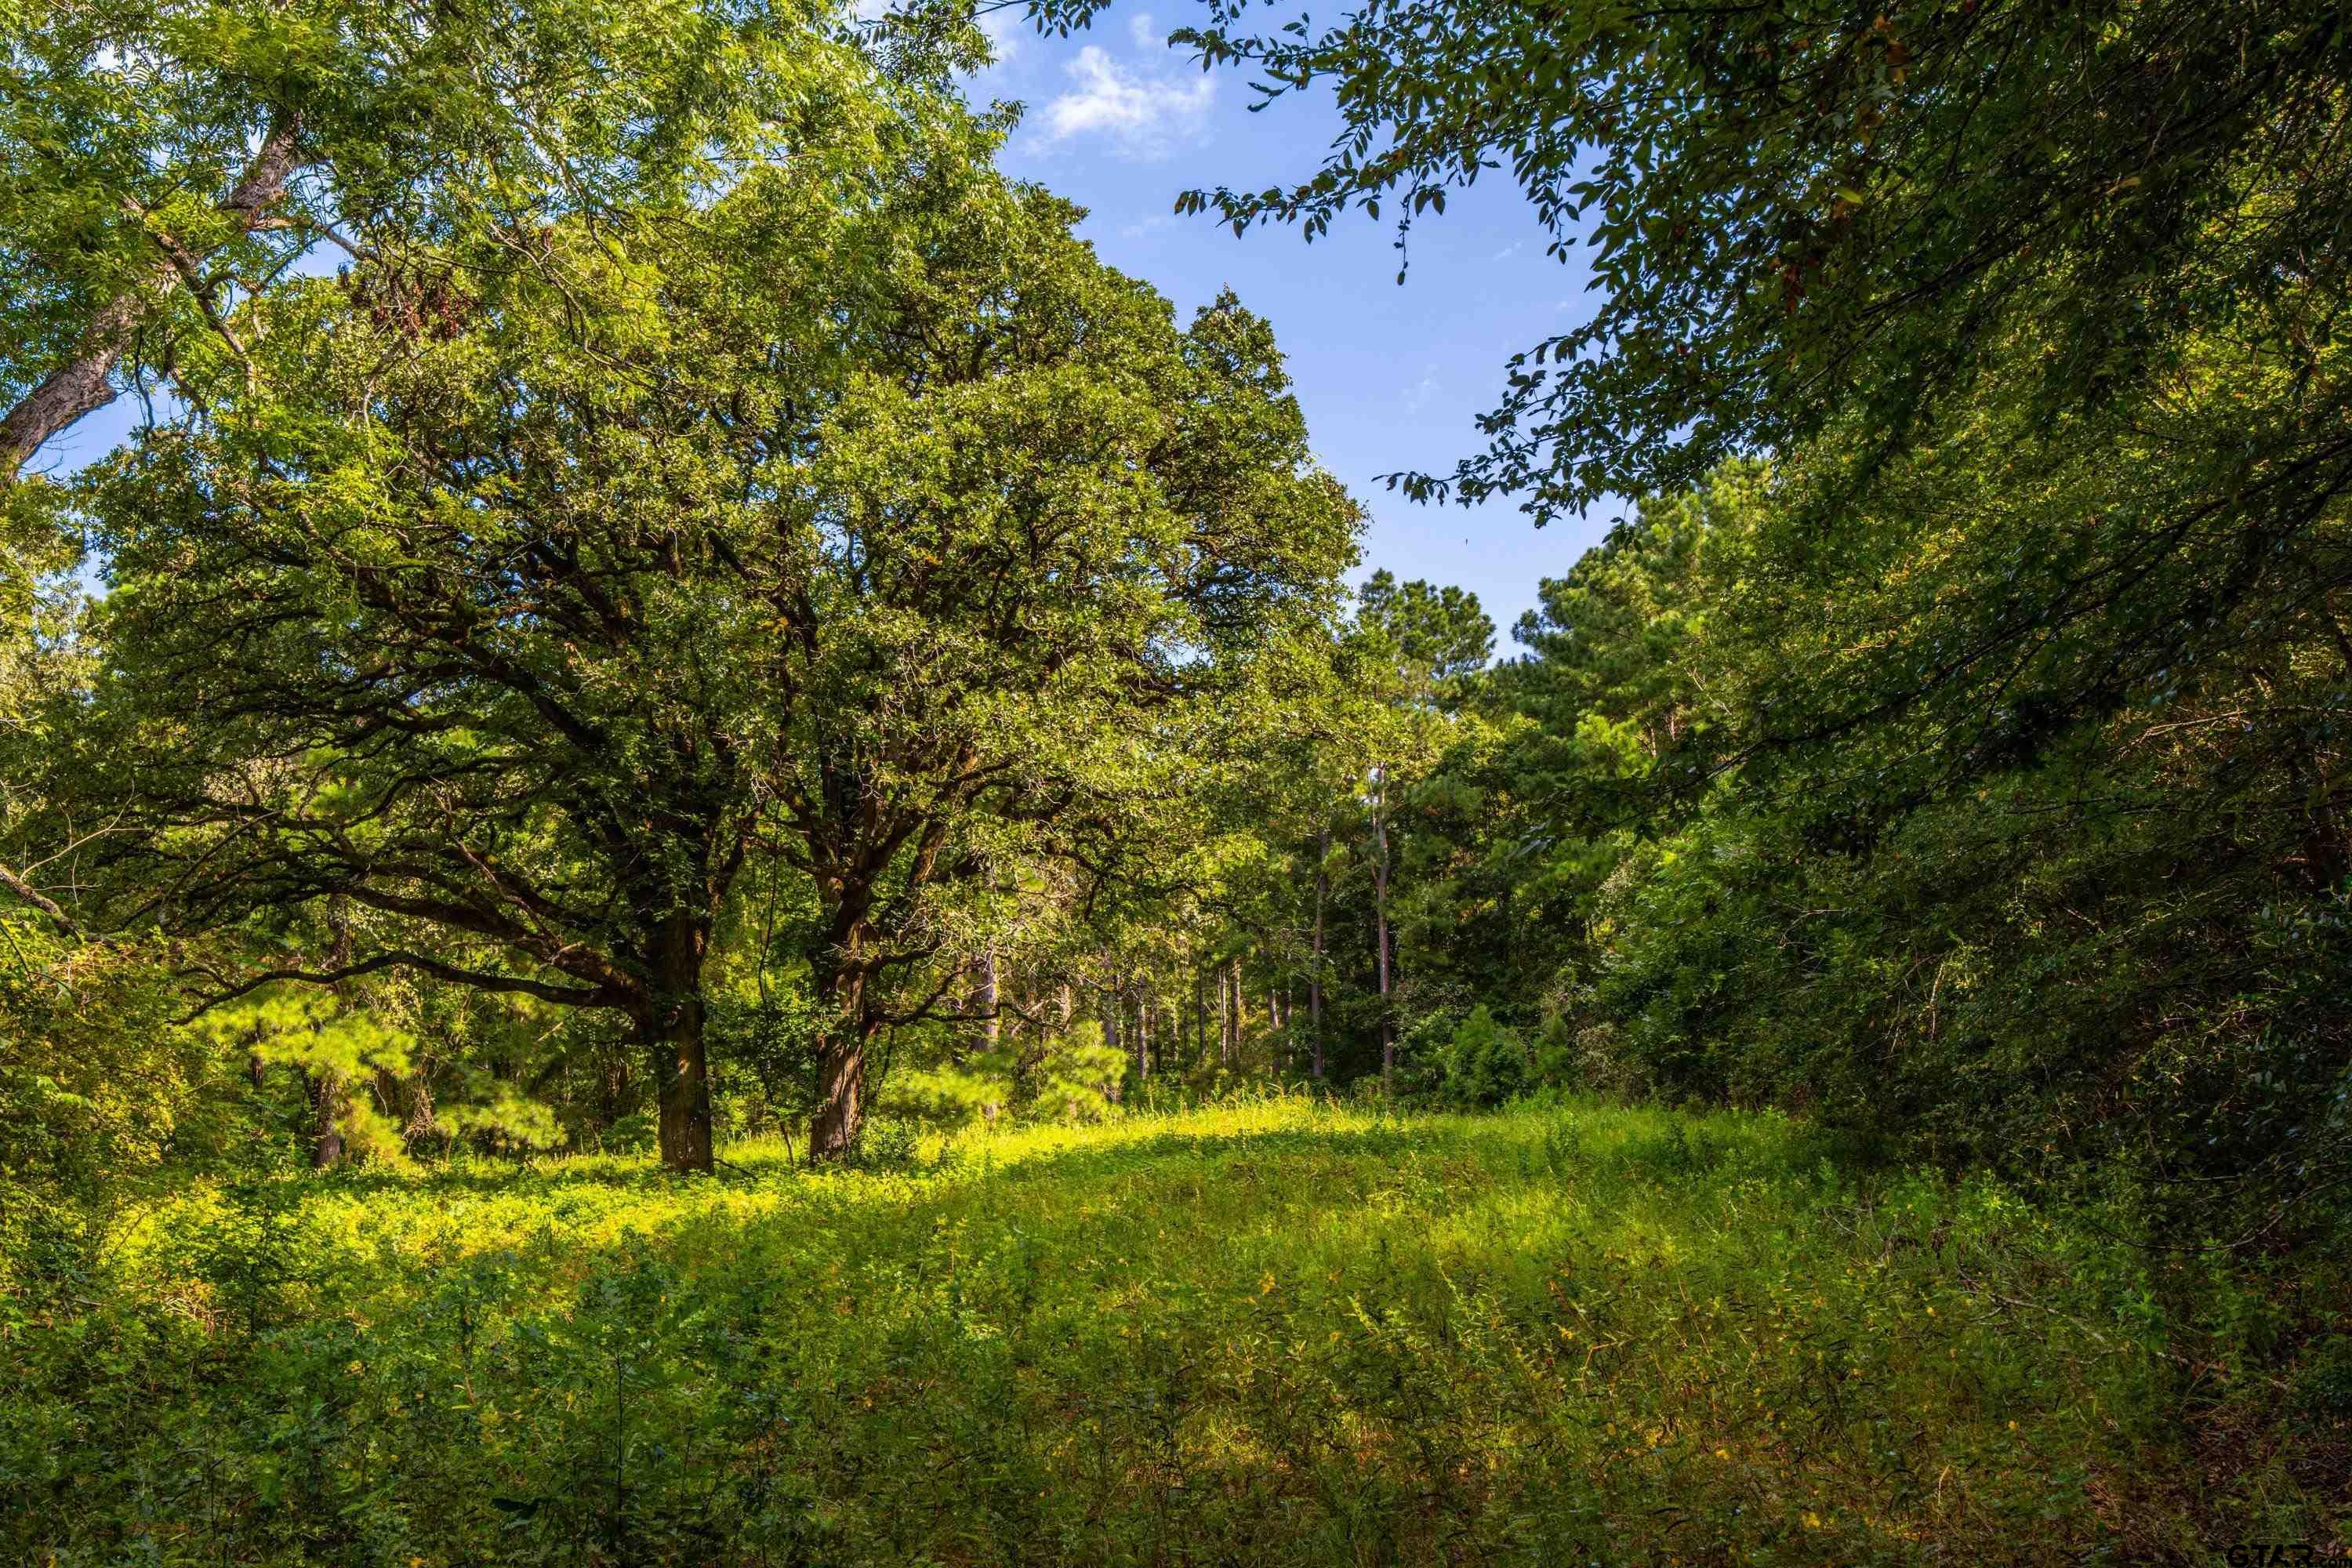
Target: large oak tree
column 863, row 519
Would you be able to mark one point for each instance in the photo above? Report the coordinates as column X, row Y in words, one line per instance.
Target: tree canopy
column 860, row 516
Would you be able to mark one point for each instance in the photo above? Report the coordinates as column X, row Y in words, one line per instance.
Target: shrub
column 1484, row 1062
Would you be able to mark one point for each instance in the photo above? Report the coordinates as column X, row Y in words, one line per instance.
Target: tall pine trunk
column 1142, row 1039
column 1224, row 1020
column 1241, row 1007
column 1314, row 975
column 1109, row 1014
column 1199, row 1015
column 981, row 1003
column 1381, row 930
column 992, row 1026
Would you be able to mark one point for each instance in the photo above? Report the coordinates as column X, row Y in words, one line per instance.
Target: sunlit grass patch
column 1281, row 1332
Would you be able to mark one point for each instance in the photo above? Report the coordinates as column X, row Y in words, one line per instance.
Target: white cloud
column 1143, row 226
column 1003, row 29
column 1146, row 36
column 1145, row 114
column 1417, row 395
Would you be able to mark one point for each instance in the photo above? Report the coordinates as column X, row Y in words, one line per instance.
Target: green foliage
column 1799, row 215
column 1953, row 745
column 1483, row 1063
column 1440, row 633
column 99, row 1092
column 1275, row 1333
column 161, row 168
column 725, row 568
column 860, row 528
column 1075, row 1079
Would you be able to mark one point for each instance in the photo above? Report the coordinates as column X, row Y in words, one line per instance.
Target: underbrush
column 1278, row 1333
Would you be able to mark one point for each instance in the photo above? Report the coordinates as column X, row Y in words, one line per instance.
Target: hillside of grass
column 1269, row 1334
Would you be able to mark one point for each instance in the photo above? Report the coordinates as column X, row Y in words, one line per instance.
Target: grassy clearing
column 1269, row 1334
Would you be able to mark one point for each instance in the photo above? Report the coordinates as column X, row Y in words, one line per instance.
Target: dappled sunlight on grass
column 1280, row 1331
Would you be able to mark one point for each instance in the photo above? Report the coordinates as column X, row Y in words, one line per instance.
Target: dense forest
column 702, row 859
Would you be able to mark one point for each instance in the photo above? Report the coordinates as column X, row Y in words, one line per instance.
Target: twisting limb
column 39, row 899
column 84, row 384
column 567, row 995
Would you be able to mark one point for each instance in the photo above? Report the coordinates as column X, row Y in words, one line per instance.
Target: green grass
column 1267, row 1333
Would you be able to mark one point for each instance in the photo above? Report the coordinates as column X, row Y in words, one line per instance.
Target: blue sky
column 1390, row 377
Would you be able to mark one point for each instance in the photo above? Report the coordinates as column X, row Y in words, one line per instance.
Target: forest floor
column 1267, row 1333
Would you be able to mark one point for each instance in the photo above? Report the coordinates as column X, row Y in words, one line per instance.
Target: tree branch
column 565, row 995
column 84, row 384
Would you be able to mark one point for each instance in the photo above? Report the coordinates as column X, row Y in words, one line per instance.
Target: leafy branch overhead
column 1796, row 213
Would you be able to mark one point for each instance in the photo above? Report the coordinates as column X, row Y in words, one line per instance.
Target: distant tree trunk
column 1200, row 1015
column 991, row 1027
column 1241, row 1007
column 1109, row 1012
column 407, row 1099
column 1142, row 1039
column 612, row 1090
column 1224, row 1019
column 328, row 1095
column 1380, row 929
column 1314, row 975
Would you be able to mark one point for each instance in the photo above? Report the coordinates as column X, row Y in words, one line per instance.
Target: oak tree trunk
column 672, row 1035
column 670, row 1028
column 326, row 1093
column 841, row 1057
column 841, row 1092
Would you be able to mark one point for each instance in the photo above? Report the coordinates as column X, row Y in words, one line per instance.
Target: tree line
column 661, row 595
